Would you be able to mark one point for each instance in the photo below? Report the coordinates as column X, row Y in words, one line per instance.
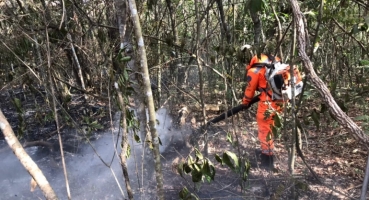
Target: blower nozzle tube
column 233, row 111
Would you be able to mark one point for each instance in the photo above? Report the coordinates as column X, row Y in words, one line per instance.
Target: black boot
column 267, row 161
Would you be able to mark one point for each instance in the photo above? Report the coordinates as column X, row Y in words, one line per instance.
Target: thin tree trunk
column 199, row 65
column 25, row 159
column 336, row 111
column 223, row 24
column 122, row 13
column 56, row 112
column 149, row 96
column 77, row 62
column 255, row 16
column 279, row 38
column 136, row 77
column 292, row 149
column 123, row 154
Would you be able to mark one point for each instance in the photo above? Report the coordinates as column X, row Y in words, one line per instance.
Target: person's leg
column 265, row 134
column 264, row 131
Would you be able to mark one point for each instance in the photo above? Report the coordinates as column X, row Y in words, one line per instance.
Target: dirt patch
column 333, row 154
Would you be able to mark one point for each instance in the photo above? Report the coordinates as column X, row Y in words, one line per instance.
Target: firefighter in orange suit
column 256, row 81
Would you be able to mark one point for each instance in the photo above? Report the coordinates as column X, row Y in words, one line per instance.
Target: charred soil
column 332, row 153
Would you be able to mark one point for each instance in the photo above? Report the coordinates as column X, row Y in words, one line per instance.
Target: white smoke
column 89, row 177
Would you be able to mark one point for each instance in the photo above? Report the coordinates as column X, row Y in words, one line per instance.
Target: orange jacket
column 256, row 79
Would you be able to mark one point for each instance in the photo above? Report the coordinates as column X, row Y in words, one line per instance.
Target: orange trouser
column 264, row 126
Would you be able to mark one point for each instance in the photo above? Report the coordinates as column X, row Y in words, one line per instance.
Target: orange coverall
column 256, row 81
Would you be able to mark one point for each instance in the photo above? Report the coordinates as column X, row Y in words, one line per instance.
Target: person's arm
column 252, row 80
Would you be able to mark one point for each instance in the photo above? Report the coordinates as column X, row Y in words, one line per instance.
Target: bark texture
column 327, row 97
column 149, row 97
column 124, row 144
column 121, row 7
column 25, row 159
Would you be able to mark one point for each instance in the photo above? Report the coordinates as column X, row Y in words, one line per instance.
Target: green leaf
column 198, row 154
column 197, row 167
column 184, row 193
column 363, row 62
column 126, row 59
column 277, row 120
column 190, row 160
column 256, row 5
column 333, row 86
column 363, row 27
column 229, row 137
column 219, row 159
column 18, row 105
column 125, row 75
column 191, row 197
column 275, row 132
column 362, row 118
column 137, row 138
column 180, row 168
column 315, row 116
column 231, row 159
column 208, row 170
column 128, row 153
column 196, row 176
column 186, row 168
column 355, row 29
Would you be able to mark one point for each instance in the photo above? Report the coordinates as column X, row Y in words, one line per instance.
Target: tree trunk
column 124, row 144
column 336, row 111
column 293, row 138
column 122, row 19
column 149, row 96
column 25, row 159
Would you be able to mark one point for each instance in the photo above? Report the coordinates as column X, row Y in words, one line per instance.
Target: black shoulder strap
column 262, row 65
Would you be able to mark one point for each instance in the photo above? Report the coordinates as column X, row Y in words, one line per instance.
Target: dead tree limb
column 25, row 159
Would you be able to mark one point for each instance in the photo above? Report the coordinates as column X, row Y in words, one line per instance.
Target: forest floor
column 338, row 160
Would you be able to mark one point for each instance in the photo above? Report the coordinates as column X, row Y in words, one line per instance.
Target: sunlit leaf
column 190, row 160
column 197, row 167
column 198, row 154
column 230, row 159
column 229, row 137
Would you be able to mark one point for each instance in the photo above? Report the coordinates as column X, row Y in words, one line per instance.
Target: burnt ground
column 337, row 159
